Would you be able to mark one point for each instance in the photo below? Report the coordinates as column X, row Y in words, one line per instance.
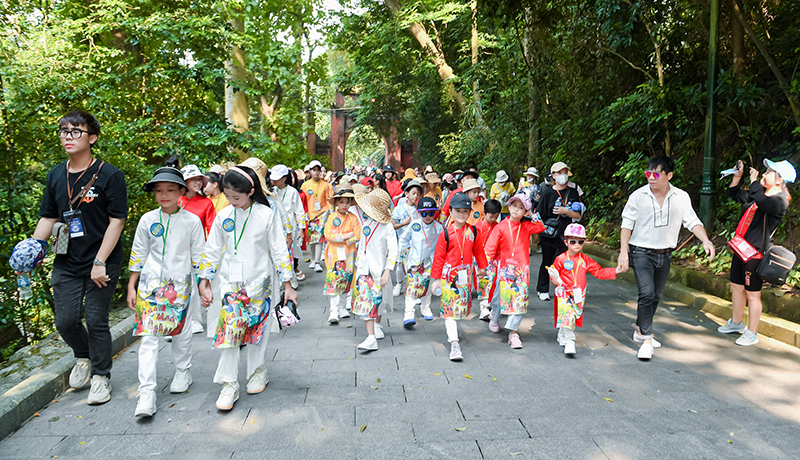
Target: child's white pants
column 148, row 355
column 451, row 326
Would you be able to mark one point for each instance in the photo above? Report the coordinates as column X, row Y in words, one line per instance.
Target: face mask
column 561, row 179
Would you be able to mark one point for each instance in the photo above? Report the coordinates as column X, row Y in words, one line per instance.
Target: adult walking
column 89, row 196
column 763, row 206
column 555, row 209
column 651, row 222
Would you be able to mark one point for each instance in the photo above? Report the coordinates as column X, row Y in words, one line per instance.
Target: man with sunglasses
column 651, row 222
column 90, row 197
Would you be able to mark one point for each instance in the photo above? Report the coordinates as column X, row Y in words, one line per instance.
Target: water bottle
column 437, row 292
column 24, row 286
column 558, row 203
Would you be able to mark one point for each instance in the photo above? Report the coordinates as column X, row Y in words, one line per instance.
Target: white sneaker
column 637, row 337
column 81, row 373
column 318, row 268
column 343, row 313
column 645, row 351
column 398, row 289
column 333, row 318
column 427, row 314
column 544, row 296
column 146, row 406
column 370, row 344
column 748, row 338
column 349, row 304
column 181, row 381
column 569, row 347
column 197, row 327
column 311, row 265
column 485, row 314
column 731, row 327
column 228, row 395
column 100, row 392
column 379, row 331
column 300, row 276
column 455, row 352
column 258, row 381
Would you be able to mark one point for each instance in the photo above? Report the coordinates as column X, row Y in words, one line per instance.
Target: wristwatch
column 99, row 262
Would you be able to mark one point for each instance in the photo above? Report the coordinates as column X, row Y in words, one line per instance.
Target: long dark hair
column 291, row 180
column 174, row 161
column 238, row 183
column 215, row 178
column 380, row 179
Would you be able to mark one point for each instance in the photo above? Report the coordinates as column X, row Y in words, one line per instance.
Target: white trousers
column 451, row 326
column 148, row 355
column 335, row 303
column 228, row 366
column 426, row 302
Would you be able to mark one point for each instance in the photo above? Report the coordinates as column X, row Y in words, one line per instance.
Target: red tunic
column 304, row 199
column 463, row 247
column 395, row 189
column 577, row 276
column 201, row 207
column 446, row 207
column 511, row 241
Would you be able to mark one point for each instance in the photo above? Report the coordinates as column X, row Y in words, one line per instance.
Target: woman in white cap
column 763, row 205
column 502, row 190
column 293, row 204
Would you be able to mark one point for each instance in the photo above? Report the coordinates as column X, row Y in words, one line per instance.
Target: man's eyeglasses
column 576, row 242
column 427, row 213
column 655, row 175
column 75, row 133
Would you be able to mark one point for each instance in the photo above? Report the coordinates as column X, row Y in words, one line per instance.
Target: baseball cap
column 427, row 203
column 278, row 171
column 784, row 168
column 460, row 201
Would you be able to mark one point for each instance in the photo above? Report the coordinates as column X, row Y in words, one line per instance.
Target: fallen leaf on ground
column 252, row 422
column 692, row 411
column 170, row 405
column 514, row 453
column 54, row 419
column 379, row 380
column 468, row 376
column 609, row 400
column 437, row 373
column 730, row 442
column 373, row 387
column 593, row 349
column 363, row 427
column 84, row 442
column 80, row 416
column 461, row 429
column 610, row 391
column 36, row 414
column 494, row 378
column 55, row 401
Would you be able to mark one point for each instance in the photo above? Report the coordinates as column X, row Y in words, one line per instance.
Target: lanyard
column 283, row 197
column 166, row 231
column 514, row 246
column 425, row 234
column 235, row 240
column 369, row 237
column 69, row 188
column 574, row 267
column 563, row 203
column 461, row 243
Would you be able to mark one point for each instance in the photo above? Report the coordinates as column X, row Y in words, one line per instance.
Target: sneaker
column 146, row 406
column 181, row 381
column 645, row 351
column 168, row 338
column 398, row 289
column 81, row 373
column 311, row 265
column 318, row 268
column 349, row 304
column 343, row 313
column 333, row 318
column 748, row 338
column 455, row 352
column 637, row 337
column 427, row 314
column 228, row 395
column 101, row 390
column 560, row 338
column 379, row 331
column 300, row 276
column 730, row 327
column 370, row 344
column 486, row 314
column 409, row 323
column 513, row 340
column 197, row 327
column 494, row 327
column 544, row 296
column 569, row 347
column 258, row 381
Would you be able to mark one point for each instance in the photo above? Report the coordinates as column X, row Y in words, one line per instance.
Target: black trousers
column 551, row 248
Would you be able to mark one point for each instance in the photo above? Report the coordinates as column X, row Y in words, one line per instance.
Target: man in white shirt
column 651, row 222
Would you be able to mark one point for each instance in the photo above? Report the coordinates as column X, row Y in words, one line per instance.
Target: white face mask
column 561, row 179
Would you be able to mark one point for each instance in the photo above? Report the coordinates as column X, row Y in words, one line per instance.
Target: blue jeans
column 76, row 295
column 652, row 270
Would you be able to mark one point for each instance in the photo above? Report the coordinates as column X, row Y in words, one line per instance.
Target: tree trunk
column 737, row 42
column 444, row 70
column 237, row 113
column 534, row 130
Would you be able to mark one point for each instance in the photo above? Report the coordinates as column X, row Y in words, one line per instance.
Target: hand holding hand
column 206, row 296
column 99, row 276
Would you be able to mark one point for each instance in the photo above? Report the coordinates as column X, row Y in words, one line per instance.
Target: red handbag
column 738, row 244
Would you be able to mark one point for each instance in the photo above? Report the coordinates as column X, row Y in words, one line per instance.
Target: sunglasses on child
column 576, row 242
column 655, row 175
column 427, row 213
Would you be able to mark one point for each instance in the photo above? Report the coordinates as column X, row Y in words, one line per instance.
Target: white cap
column 278, row 171
column 314, row 164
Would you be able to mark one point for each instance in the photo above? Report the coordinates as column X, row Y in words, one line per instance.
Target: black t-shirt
column 108, row 198
column 548, row 201
column 771, row 210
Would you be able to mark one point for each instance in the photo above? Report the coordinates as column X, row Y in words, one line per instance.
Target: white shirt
column 657, row 227
column 420, row 240
column 293, row 205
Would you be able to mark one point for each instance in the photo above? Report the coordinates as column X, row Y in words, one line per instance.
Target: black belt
column 657, row 251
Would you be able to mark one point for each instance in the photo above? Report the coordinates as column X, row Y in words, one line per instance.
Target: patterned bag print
column 418, row 278
column 338, row 278
column 569, row 311
column 163, row 311
column 368, row 297
column 513, row 283
column 456, row 300
column 315, row 230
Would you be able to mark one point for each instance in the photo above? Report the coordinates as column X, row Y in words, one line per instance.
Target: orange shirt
column 318, row 194
column 334, row 234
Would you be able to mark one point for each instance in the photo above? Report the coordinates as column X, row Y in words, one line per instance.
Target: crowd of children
column 230, row 242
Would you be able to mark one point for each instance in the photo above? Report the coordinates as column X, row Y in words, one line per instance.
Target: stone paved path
column 700, row 397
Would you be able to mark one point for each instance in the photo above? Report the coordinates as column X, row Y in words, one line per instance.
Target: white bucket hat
column 501, row 176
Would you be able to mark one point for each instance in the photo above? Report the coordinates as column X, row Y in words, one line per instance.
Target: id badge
column 462, row 278
column 317, row 206
column 235, row 270
column 577, row 294
column 74, row 222
column 341, row 254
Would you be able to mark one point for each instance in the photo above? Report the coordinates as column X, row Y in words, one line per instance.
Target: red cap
column 367, row 181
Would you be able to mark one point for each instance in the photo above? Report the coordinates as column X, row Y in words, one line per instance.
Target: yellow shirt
column 497, row 190
column 476, row 214
column 317, row 194
column 220, row 202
